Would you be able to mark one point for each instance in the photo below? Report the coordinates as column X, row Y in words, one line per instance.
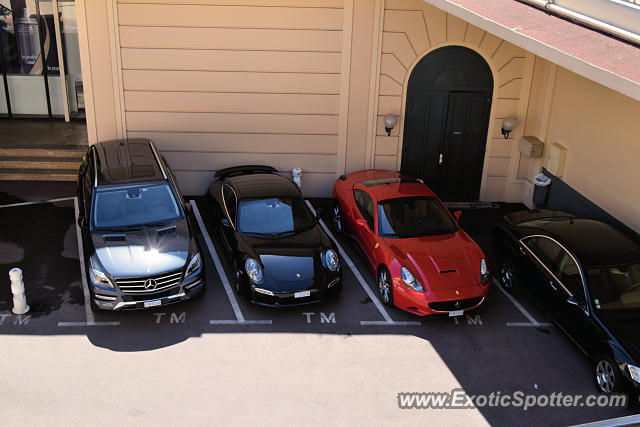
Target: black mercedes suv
column 137, row 230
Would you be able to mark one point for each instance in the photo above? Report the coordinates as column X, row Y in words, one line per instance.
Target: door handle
column 553, row 285
column 522, row 251
column 440, row 159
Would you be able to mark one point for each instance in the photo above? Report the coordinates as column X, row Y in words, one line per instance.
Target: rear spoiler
column 243, row 170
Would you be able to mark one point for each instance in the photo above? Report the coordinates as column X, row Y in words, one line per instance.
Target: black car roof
column 132, row 161
column 262, row 185
column 593, row 242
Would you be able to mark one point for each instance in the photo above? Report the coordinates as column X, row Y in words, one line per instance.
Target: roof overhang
column 606, row 60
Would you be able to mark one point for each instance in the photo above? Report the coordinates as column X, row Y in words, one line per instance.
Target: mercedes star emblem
column 150, row 284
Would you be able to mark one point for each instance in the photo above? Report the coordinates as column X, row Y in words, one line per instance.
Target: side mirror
column 225, row 223
column 572, row 301
column 82, row 222
column 457, row 214
column 319, row 213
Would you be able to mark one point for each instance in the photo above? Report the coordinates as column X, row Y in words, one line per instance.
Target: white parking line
column 525, row 313
column 392, row 323
column 528, row 325
column 13, row 205
column 71, row 324
column 85, row 288
column 387, row 319
column 240, row 320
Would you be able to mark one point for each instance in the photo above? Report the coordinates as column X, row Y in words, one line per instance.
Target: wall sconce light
column 508, row 124
column 390, row 121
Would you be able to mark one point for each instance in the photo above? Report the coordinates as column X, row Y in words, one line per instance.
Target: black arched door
column 446, row 122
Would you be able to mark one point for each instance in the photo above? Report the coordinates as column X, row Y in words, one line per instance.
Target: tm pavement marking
column 13, row 205
column 532, row 321
column 85, row 288
column 388, row 321
column 240, row 320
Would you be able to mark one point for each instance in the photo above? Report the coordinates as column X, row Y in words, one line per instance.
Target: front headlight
column 411, row 281
column 194, row 264
column 331, row 260
column 99, row 278
column 253, row 269
column 634, row 371
column 484, row 272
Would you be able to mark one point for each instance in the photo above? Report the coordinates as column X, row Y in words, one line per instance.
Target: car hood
column 625, row 326
column 143, row 252
column 289, row 259
column 444, row 262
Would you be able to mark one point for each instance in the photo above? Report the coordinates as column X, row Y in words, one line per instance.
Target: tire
column 508, row 273
column 337, row 217
column 607, row 375
column 385, row 287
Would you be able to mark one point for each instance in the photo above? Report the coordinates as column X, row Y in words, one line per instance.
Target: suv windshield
column 131, row 206
column 615, row 288
column 273, row 216
column 413, row 217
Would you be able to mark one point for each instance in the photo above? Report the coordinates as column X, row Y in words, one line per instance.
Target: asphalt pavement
column 219, row 359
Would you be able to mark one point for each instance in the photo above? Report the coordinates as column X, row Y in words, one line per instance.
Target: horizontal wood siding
column 220, row 83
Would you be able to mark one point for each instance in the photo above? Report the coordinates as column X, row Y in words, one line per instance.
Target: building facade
column 308, row 84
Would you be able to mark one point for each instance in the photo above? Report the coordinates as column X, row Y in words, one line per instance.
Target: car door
column 364, row 224
column 570, row 302
column 540, row 260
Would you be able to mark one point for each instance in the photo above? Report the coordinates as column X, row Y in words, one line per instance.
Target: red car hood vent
column 443, row 264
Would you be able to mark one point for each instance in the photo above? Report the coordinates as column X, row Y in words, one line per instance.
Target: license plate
column 456, row 313
column 302, row 294
column 152, row 303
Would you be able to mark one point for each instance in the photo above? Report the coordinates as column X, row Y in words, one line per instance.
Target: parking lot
column 341, row 361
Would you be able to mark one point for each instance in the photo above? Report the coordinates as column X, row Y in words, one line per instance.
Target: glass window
column 413, row 217
column 274, row 216
column 569, row 275
column 615, row 288
column 127, row 207
column 230, row 202
column 364, row 202
column 546, row 250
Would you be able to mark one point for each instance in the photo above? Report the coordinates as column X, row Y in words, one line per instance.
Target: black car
column 586, row 274
column 279, row 252
column 137, row 231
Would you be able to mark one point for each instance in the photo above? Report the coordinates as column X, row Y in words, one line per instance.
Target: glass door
column 42, row 76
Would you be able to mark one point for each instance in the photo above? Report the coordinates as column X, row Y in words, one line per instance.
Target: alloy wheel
column 384, row 287
column 605, row 376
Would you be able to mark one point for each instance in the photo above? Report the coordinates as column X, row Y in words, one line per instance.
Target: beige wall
column 220, row 83
column 600, row 129
column 306, row 84
column 412, row 29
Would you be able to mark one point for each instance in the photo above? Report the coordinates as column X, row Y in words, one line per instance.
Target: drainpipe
column 586, row 20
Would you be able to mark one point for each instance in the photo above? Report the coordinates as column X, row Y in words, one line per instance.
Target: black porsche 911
column 586, row 274
column 279, row 252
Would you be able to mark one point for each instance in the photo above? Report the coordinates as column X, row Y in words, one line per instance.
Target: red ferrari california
column 424, row 262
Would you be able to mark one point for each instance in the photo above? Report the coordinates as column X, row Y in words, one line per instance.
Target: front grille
column 135, row 285
column 461, row 304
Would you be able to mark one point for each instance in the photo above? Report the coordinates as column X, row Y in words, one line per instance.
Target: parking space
column 505, row 346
